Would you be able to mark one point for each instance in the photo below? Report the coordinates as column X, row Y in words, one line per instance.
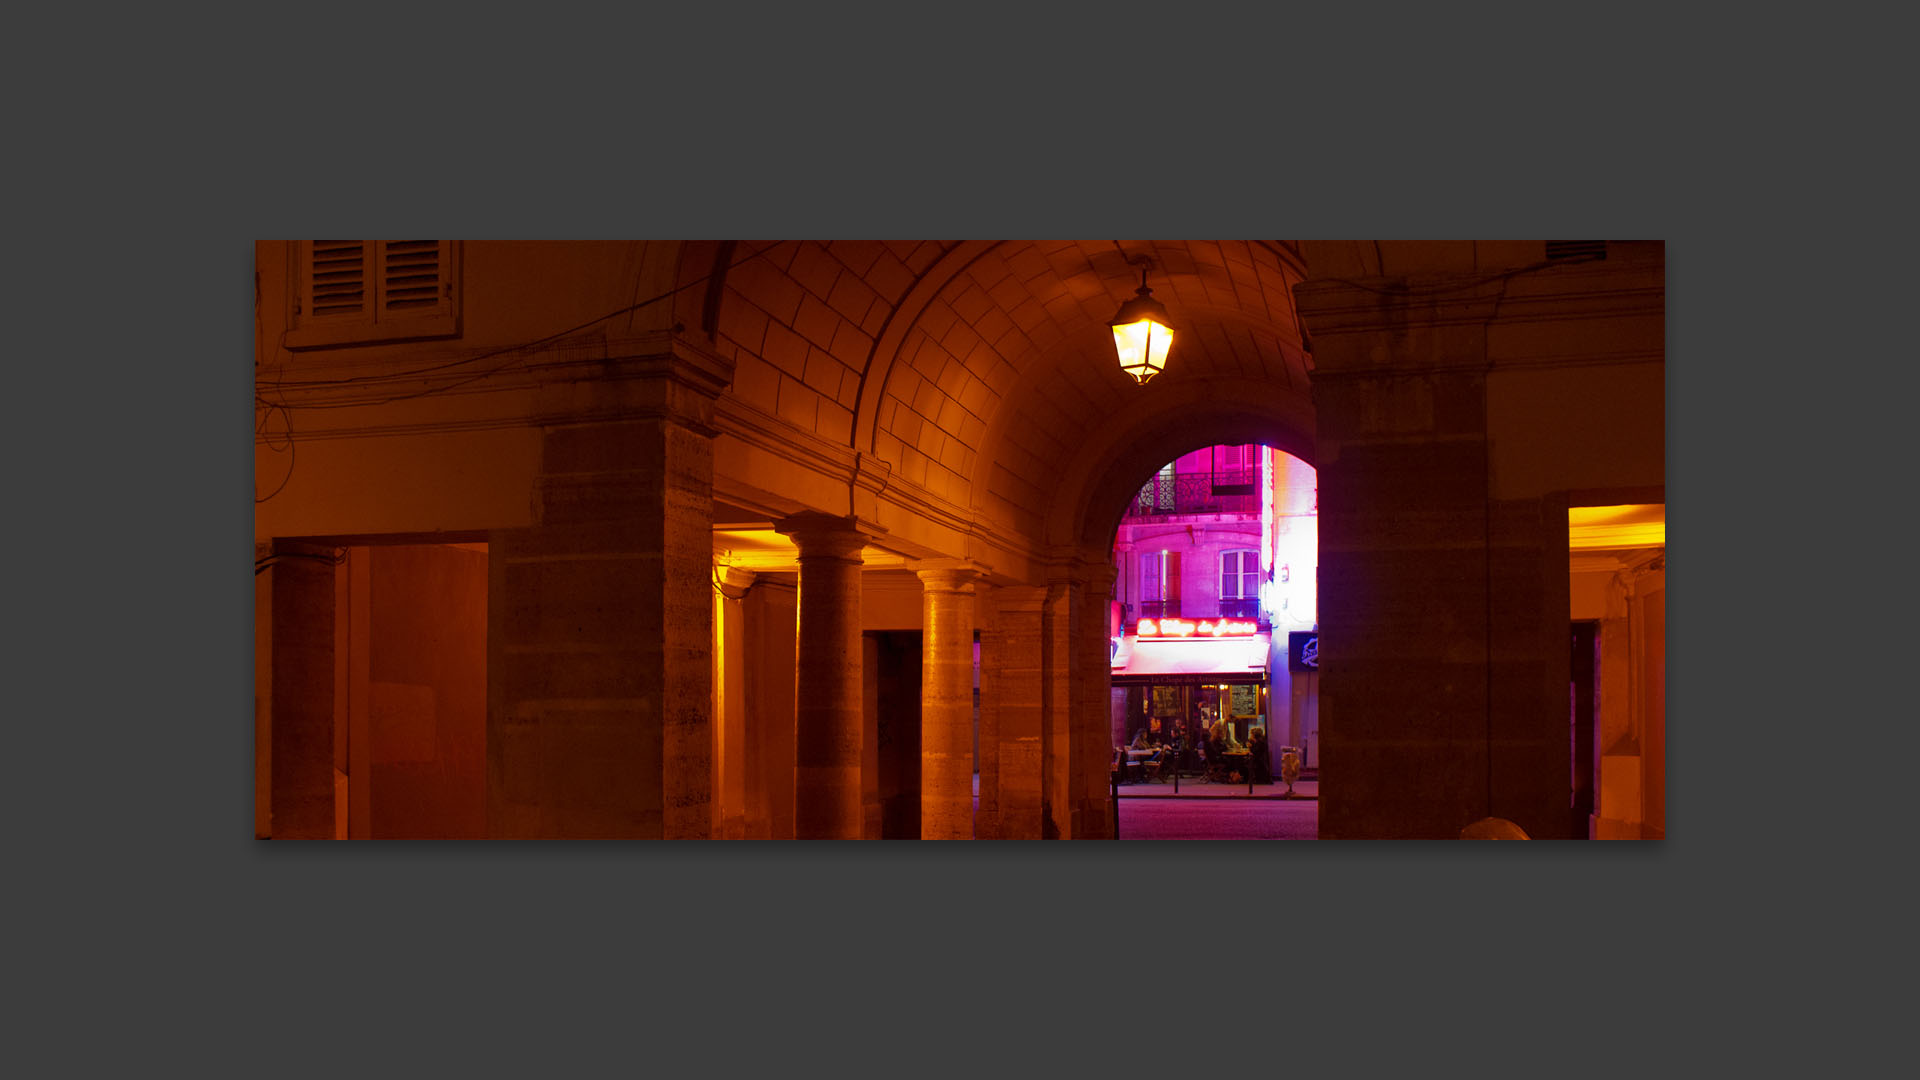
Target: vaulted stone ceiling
column 983, row 372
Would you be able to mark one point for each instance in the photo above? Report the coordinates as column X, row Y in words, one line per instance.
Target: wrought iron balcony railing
column 1248, row 608
column 1198, row 493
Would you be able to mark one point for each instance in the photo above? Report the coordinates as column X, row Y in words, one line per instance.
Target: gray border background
column 159, row 932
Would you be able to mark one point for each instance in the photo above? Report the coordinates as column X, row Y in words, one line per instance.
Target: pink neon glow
column 1186, row 628
column 1267, row 536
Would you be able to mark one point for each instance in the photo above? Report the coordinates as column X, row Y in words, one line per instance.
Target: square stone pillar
column 600, row 617
column 1011, row 715
column 1075, row 701
column 1443, row 610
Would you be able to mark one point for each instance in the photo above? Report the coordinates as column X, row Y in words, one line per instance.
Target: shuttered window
column 358, row 292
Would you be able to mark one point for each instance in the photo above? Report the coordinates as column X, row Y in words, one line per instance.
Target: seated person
column 1224, row 732
column 1262, row 760
column 1142, row 739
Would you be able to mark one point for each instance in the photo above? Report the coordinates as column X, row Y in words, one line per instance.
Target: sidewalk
column 1201, row 789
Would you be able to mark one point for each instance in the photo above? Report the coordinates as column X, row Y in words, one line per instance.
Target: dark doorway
column 893, row 702
column 1584, row 692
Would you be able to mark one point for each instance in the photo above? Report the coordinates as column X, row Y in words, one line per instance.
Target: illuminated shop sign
column 1186, row 628
column 1303, row 650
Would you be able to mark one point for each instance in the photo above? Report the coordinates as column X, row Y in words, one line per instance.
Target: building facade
column 675, row 539
column 1224, row 532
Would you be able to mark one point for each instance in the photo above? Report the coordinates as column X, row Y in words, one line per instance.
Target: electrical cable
column 513, row 352
column 1463, row 286
column 293, row 457
column 266, row 414
column 261, row 565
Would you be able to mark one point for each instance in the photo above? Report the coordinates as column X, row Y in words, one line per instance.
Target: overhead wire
column 265, row 563
column 1463, row 286
column 293, row 458
column 516, row 354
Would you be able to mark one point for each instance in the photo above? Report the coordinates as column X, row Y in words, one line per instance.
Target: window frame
column 1249, row 570
column 371, row 325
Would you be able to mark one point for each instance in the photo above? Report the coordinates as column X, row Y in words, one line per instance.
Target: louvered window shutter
column 337, row 283
column 412, row 279
column 358, row 292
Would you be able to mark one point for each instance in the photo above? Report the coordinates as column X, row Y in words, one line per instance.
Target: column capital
column 948, row 575
column 828, row 536
column 734, row 577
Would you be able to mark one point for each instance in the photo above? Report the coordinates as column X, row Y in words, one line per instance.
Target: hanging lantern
column 1140, row 334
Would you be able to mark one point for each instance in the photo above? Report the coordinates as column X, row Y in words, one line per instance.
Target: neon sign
column 1185, row 628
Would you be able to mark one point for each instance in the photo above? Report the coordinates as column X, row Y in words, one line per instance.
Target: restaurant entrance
column 1162, row 708
column 1196, row 728
column 1198, row 688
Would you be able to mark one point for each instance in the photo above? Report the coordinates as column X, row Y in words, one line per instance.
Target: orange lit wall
column 1595, row 426
column 427, row 696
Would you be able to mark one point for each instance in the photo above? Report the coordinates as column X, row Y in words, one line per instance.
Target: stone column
column 730, row 705
column 828, row 713
column 946, row 708
column 600, row 617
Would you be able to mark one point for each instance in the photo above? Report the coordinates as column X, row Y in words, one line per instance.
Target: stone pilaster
column 1093, row 700
column 1057, row 789
column 772, row 610
column 1011, row 715
column 829, row 713
column 946, row 709
column 303, row 700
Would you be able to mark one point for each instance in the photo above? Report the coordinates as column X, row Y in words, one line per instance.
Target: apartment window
column 360, row 292
column 1164, row 489
column 1235, row 469
column 1240, row 584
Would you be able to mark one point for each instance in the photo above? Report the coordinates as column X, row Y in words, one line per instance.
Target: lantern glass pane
column 1142, row 347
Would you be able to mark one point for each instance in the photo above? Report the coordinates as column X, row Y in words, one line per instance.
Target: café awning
column 1197, row 661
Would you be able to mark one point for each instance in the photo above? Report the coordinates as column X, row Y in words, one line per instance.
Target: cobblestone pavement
column 1219, row 819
